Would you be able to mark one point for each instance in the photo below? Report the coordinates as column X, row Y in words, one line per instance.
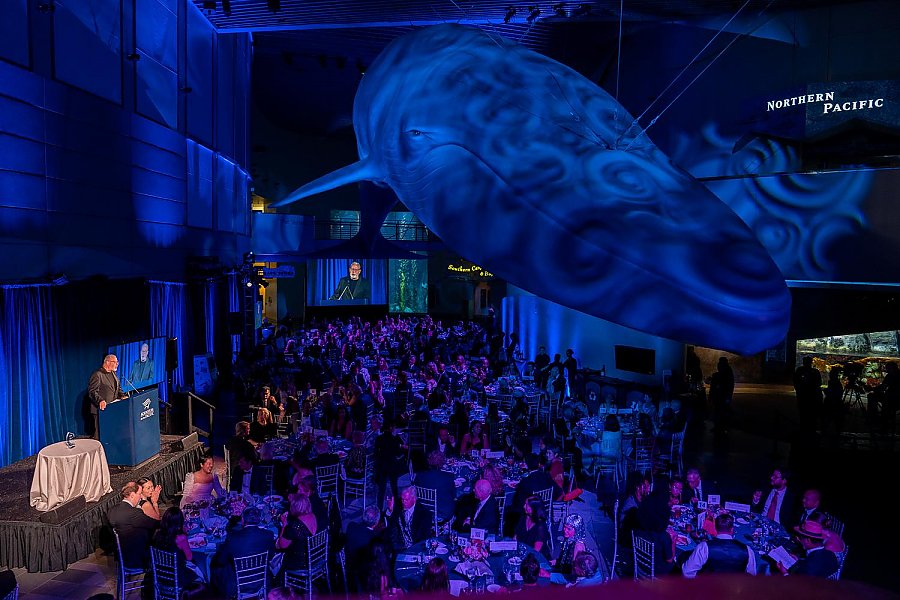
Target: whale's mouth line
column 663, row 277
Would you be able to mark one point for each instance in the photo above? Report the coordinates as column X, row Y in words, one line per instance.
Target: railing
column 190, row 406
column 344, row 229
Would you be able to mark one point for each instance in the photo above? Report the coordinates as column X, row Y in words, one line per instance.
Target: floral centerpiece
column 476, row 550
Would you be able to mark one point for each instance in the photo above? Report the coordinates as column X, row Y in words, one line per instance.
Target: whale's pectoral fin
column 358, row 171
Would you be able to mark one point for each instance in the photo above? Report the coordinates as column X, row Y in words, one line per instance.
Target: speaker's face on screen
column 355, row 270
column 145, row 351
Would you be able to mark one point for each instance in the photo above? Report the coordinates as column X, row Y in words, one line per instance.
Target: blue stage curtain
column 32, row 410
column 168, row 318
column 324, row 280
column 209, row 308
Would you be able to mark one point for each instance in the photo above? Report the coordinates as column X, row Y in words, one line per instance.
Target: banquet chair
column 13, row 595
column 316, row 567
column 672, row 461
column 835, row 524
column 501, row 506
column 505, row 402
column 428, row 497
column 165, row 575
column 357, row 487
column 549, row 408
column 327, row 479
column 283, row 425
column 546, row 497
column 227, row 475
column 415, row 432
column 252, row 574
column 124, row 575
column 534, row 403
column 841, row 556
column 615, row 556
column 268, row 475
column 643, row 557
column 609, row 461
column 641, row 459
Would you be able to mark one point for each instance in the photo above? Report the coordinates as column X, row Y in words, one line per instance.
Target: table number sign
column 477, row 534
column 504, row 546
column 737, row 507
column 713, row 499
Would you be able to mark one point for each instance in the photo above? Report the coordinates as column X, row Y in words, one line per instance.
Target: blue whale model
column 529, row 169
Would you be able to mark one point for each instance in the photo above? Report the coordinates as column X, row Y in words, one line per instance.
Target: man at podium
column 103, row 388
column 354, row 286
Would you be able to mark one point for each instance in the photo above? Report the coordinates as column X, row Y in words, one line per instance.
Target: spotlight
column 534, row 13
column 510, row 13
column 248, row 283
column 248, row 256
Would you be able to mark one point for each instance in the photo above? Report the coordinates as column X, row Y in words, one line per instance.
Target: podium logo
column 147, row 412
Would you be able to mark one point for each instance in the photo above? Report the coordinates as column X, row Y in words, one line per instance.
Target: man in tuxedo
column 249, row 539
column 240, row 445
column 441, row 481
column 696, row 489
column 779, row 505
column 133, row 526
column 411, row 523
column 482, row 513
column 361, row 537
column 247, row 478
column 103, row 388
column 354, row 286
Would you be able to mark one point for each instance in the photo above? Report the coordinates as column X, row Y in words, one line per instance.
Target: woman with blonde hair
column 263, row 428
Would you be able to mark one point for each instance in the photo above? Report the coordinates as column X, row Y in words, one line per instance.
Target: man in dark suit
column 324, row 456
column 440, row 481
column 443, row 442
column 103, row 388
column 249, row 539
column 354, row 286
column 818, row 562
column 536, row 479
column 360, row 539
column 247, row 478
column 133, row 526
column 390, row 460
column 696, row 488
column 411, row 523
column 780, row 505
column 482, row 513
column 810, row 505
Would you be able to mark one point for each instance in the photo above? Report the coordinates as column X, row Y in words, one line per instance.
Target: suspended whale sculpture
column 522, row 165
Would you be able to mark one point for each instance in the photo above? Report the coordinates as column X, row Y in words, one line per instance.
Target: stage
column 41, row 547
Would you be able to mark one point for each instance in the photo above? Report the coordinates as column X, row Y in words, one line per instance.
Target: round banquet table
column 62, row 473
column 408, row 567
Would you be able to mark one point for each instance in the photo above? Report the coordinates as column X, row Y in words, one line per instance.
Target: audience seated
column 532, row 528
column 817, row 562
column 133, row 526
column 200, row 485
column 409, row 522
column 149, row 502
column 441, row 481
column 250, row 538
column 436, row 578
column 721, row 554
column 481, row 512
column 263, row 428
column 171, row 537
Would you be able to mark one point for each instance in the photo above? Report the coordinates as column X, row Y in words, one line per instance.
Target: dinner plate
column 341, row 454
column 459, row 481
column 197, row 541
column 273, row 498
column 493, row 588
column 441, row 550
column 514, row 560
column 742, row 521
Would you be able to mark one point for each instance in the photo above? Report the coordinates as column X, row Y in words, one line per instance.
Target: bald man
column 810, row 504
column 483, row 513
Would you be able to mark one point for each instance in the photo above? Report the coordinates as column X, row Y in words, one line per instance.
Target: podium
column 129, row 429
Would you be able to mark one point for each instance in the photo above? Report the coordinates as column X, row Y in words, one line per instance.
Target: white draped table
column 63, row 473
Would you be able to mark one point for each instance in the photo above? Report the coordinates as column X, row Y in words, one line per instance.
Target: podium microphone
column 133, row 389
column 344, row 291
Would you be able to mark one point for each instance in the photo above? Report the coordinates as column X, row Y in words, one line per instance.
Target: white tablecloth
column 62, row 473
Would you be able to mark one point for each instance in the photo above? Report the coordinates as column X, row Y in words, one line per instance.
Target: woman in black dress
column 298, row 525
column 532, row 530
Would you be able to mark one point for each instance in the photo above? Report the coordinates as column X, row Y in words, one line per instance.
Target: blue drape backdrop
column 33, row 409
column 234, row 305
column 326, row 273
column 168, row 317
